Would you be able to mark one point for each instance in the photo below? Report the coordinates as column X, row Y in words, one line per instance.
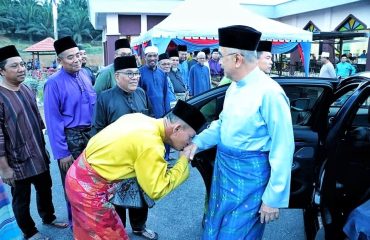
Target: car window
column 340, row 98
column 362, row 117
column 212, row 109
column 302, row 101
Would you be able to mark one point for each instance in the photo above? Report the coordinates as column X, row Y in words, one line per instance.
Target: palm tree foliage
column 33, row 20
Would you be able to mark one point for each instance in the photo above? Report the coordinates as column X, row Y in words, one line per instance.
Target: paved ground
column 178, row 216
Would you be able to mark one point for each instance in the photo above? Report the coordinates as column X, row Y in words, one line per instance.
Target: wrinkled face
column 174, row 62
column 201, row 58
column 181, row 136
column 123, row 52
column 83, row 56
column 165, row 65
column 14, row 70
column 151, row 59
column 128, row 79
column 265, row 62
column 343, row 59
column 228, row 59
column 182, row 56
column 70, row 60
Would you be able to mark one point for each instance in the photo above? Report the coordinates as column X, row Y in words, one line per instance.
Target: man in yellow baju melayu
column 132, row 146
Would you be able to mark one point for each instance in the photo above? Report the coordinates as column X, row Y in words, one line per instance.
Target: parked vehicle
column 331, row 166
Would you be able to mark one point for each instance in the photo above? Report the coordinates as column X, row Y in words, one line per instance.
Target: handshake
column 189, row 151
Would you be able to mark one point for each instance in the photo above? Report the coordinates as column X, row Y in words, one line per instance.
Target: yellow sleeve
column 154, row 177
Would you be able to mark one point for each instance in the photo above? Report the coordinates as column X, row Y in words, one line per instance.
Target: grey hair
column 175, row 119
column 259, row 54
column 249, row 56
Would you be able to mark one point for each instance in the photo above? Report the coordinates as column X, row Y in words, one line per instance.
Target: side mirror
column 300, row 104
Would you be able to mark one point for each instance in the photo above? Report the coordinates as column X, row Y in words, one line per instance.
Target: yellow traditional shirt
column 133, row 146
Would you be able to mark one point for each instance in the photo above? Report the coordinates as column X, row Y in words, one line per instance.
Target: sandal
column 38, row 236
column 57, row 224
column 146, row 233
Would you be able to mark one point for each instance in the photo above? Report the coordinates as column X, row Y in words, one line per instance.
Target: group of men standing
column 119, row 130
column 343, row 69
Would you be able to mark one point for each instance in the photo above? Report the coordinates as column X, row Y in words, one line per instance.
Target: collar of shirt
column 252, row 76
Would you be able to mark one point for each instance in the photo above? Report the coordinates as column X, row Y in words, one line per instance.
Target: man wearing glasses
column 255, row 144
column 155, row 83
column 124, row 98
column 164, row 64
column 106, row 78
column 199, row 76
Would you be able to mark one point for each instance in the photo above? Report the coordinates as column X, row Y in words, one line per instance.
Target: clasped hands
column 189, row 151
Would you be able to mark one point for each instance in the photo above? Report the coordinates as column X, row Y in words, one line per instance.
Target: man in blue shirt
column 154, row 82
column 344, row 68
column 255, row 144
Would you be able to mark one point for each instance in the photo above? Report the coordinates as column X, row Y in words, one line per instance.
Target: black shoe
column 146, row 233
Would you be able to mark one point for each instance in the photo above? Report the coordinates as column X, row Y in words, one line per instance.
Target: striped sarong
column 93, row 216
column 239, row 180
column 9, row 229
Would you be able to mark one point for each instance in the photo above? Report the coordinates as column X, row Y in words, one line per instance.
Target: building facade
column 129, row 18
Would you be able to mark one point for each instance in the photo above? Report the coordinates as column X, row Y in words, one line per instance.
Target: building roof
column 46, row 45
column 338, row 35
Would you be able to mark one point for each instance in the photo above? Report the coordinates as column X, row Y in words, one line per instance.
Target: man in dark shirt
column 124, row 98
column 23, row 159
column 176, row 76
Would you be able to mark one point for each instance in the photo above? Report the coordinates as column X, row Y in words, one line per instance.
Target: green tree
column 74, row 20
column 5, row 19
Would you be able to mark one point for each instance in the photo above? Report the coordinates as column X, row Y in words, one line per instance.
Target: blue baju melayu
column 199, row 79
column 155, row 84
column 255, row 145
column 184, row 70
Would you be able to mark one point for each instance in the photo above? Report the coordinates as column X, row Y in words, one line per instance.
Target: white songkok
column 151, row 49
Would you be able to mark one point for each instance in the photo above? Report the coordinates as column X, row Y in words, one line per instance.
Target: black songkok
column 214, row 50
column 189, row 114
column 173, row 53
column 206, row 51
column 182, row 48
column 63, row 44
column 124, row 62
column 121, row 43
column 8, row 52
column 162, row 56
column 239, row 37
column 264, row 46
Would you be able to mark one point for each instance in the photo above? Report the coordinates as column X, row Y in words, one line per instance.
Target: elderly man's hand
column 7, row 175
column 66, row 162
column 268, row 214
column 190, row 150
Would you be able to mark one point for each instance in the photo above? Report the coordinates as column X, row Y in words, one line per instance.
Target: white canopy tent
column 194, row 18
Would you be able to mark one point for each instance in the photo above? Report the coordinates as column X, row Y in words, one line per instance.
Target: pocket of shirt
column 21, row 154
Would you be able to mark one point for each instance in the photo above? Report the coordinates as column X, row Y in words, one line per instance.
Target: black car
column 331, row 165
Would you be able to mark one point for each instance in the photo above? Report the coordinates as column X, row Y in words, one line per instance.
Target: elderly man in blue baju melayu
column 255, row 144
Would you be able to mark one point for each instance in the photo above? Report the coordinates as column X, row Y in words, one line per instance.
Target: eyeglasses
column 230, row 54
column 166, row 64
column 131, row 75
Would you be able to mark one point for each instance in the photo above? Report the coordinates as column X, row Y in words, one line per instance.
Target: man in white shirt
column 327, row 70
